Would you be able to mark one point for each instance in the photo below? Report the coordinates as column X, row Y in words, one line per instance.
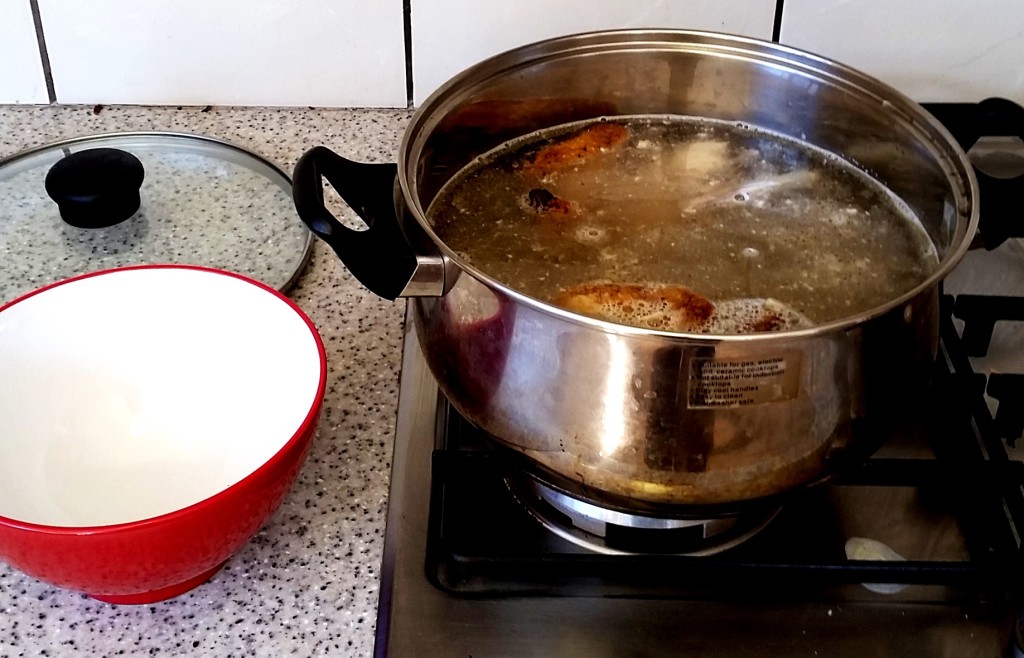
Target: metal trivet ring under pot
column 614, row 532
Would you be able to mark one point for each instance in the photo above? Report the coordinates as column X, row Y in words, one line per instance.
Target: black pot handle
column 379, row 257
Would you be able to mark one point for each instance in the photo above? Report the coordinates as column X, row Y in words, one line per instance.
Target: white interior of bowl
column 138, row 392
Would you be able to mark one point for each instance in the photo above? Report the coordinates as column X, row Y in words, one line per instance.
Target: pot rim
column 901, row 106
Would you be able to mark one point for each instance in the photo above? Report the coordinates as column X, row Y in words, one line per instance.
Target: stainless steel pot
column 641, row 417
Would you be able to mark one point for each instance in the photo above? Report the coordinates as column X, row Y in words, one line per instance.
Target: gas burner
column 614, row 532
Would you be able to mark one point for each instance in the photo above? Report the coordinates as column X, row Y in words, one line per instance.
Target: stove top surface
column 495, row 582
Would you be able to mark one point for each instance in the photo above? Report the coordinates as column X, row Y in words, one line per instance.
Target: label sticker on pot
column 718, row 383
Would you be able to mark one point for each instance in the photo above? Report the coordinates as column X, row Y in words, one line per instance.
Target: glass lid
column 105, row 201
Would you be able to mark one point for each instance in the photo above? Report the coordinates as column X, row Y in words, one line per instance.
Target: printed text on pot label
column 716, row 383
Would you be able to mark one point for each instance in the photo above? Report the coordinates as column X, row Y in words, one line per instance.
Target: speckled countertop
column 307, row 584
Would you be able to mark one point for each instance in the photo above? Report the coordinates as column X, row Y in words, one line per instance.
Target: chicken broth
column 616, row 219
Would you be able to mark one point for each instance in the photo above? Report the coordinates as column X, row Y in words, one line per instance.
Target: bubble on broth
column 591, row 234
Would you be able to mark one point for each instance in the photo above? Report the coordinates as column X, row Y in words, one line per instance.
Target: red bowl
column 151, row 420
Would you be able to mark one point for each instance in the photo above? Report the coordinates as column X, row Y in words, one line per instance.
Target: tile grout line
column 407, row 28
column 776, row 26
column 44, row 56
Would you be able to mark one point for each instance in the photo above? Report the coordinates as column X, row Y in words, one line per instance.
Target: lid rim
column 257, row 163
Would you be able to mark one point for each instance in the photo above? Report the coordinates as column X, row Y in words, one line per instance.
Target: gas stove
column 917, row 551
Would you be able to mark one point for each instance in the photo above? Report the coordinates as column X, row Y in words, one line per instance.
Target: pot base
column 157, row 595
column 608, row 531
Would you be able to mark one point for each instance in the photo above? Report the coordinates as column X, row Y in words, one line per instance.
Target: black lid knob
column 96, row 188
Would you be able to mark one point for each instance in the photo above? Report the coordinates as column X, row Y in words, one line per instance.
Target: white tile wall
column 227, row 52
column 450, row 35
column 932, row 51
column 351, row 52
column 21, row 71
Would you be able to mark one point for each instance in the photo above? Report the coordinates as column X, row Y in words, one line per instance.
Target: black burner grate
column 1001, row 207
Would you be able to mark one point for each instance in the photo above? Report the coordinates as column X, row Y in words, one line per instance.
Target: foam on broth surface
column 747, row 219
